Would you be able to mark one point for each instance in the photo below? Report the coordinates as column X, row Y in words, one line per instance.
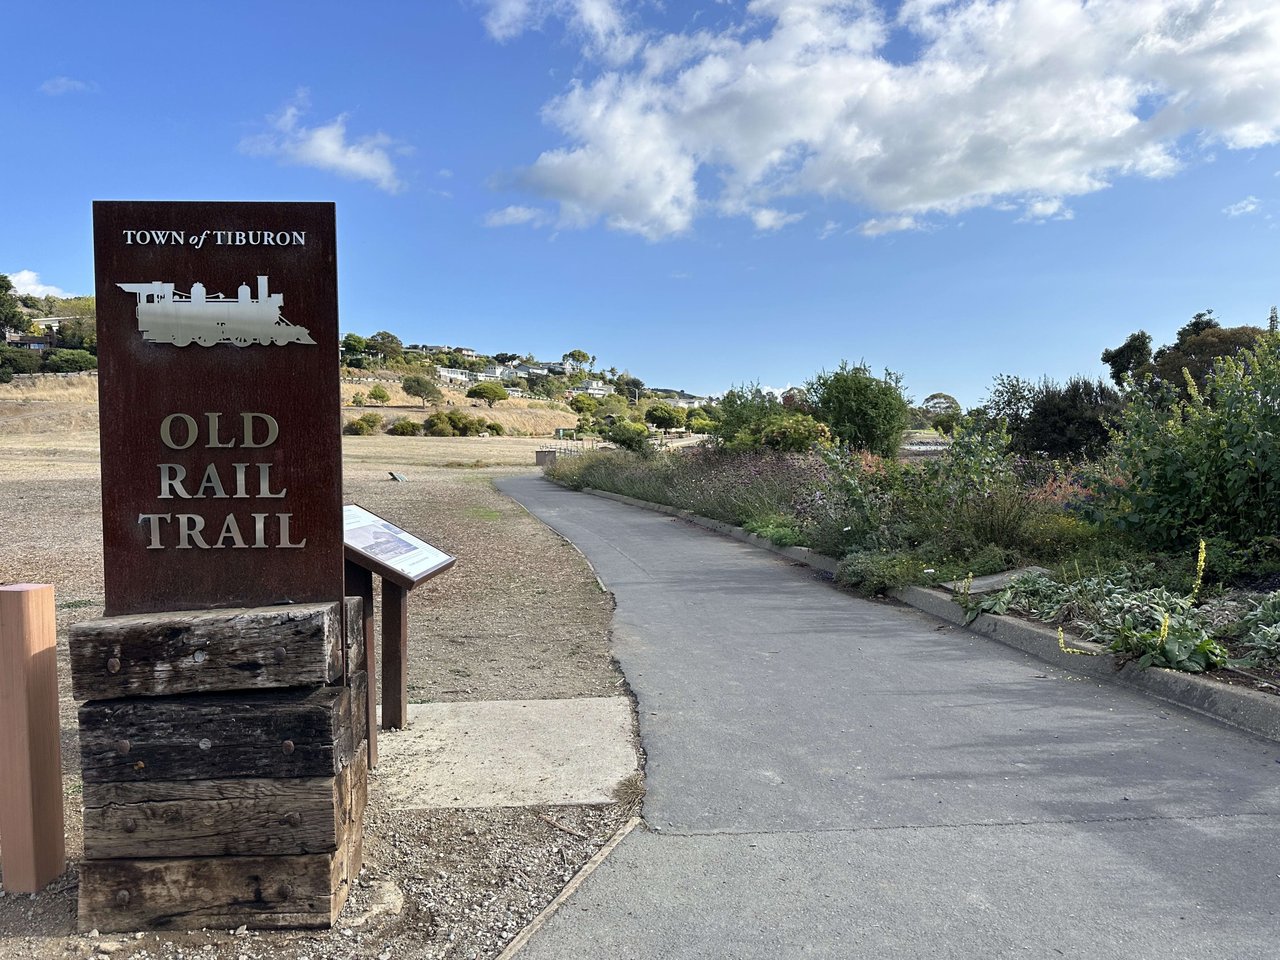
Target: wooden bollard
column 31, row 824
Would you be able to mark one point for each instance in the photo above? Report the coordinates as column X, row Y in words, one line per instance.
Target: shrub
column 628, row 435
column 779, row 530
column 358, row 399
column 357, row 428
column 741, row 411
column 793, row 433
column 866, row 412
column 406, row 428
column 1203, row 466
column 1068, row 422
column 68, row 361
column 378, row 394
column 497, row 429
column 439, row 425
column 876, row 573
column 17, row 360
column 664, row 416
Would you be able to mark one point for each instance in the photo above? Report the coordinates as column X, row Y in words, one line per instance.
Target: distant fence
column 31, row 377
column 548, row 453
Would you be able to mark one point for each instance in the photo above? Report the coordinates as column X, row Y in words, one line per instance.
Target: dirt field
column 520, row 616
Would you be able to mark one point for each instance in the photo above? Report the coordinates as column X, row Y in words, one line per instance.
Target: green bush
column 866, row 412
column 778, row 530
column 793, row 433
column 358, row 399
column 68, row 361
column 357, row 428
column 378, row 394
column 1201, row 466
column 497, row 429
column 17, row 360
column 405, row 428
column 875, row 573
column 455, row 423
column 439, row 425
column 629, row 436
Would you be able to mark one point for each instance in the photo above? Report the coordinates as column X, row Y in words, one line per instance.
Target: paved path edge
column 1248, row 710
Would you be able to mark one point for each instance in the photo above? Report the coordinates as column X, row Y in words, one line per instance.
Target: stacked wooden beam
column 224, row 758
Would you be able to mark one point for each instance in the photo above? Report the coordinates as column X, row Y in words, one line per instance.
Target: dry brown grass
column 80, row 389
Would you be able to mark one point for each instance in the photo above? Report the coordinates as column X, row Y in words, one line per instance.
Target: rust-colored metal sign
column 219, row 400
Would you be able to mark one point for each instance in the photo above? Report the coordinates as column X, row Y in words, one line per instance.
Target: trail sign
column 219, row 399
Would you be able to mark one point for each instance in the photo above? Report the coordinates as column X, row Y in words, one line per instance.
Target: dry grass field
column 520, row 616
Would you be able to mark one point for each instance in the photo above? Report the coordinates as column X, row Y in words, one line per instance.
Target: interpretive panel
column 392, row 553
column 219, row 398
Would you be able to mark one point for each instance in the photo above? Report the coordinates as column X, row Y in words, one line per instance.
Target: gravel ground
column 521, row 616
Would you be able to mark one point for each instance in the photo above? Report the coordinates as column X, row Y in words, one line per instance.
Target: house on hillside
column 591, row 388
column 29, row 341
column 456, row 377
column 499, row 372
column 534, row 369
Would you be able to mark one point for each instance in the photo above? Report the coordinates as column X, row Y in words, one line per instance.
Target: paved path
column 830, row 777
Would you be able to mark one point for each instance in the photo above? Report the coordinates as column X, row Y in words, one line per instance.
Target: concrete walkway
column 830, row 777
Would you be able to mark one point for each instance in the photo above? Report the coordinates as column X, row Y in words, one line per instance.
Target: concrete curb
column 524, row 936
column 1248, row 710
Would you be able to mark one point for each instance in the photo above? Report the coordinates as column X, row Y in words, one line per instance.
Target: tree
column 628, row 386
column 937, row 404
column 664, row 416
column 1010, row 399
column 1128, row 359
column 1069, row 422
column 386, row 344
column 1196, row 349
column 583, row 403
column 506, row 357
column 579, row 357
column 378, row 394
column 698, row 423
column 866, row 412
column 741, row 412
column 421, row 387
column 353, row 345
column 79, row 333
column 490, row 393
column 11, row 315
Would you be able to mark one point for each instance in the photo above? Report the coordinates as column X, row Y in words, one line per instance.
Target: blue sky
column 702, row 192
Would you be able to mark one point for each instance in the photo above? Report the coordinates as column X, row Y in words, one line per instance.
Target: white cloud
column 57, row 86
column 1046, row 208
column 768, row 219
column 1240, row 208
column 516, row 216
column 326, row 147
column 879, row 227
column 1021, row 102
column 830, row 228
column 28, row 282
column 599, row 24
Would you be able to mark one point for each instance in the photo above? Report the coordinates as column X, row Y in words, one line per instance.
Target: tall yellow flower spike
column 1195, row 591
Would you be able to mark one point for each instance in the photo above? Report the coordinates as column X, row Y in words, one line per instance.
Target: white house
column 454, row 375
column 500, row 371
